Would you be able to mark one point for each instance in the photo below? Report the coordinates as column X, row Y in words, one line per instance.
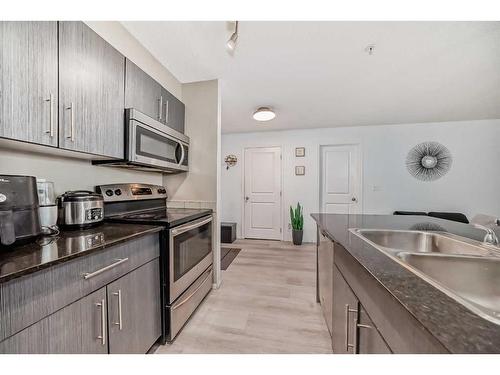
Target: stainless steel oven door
column 151, row 146
column 190, row 254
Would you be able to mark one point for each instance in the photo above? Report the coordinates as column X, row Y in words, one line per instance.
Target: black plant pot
column 297, row 236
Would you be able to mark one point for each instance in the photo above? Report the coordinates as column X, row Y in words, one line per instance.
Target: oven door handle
column 185, row 228
column 186, row 299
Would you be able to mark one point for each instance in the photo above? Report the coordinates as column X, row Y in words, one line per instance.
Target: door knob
column 354, row 199
column 246, row 199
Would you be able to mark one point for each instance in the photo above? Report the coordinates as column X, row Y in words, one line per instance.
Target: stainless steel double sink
column 464, row 269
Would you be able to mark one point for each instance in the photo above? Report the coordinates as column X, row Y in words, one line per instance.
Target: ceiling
column 318, row 74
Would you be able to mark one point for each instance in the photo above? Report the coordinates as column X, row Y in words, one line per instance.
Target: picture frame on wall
column 300, row 170
column 300, row 152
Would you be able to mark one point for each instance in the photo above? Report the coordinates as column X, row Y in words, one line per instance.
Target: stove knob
column 118, row 192
column 161, row 191
column 109, row 192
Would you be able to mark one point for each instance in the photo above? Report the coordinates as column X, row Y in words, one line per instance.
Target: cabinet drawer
column 28, row 299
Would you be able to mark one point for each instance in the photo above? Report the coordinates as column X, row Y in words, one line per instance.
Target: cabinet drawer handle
column 89, row 275
column 102, row 336
column 364, row 326
column 120, row 321
column 71, row 122
column 50, row 132
column 347, row 345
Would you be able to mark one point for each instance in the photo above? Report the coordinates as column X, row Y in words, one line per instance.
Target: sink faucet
column 490, row 238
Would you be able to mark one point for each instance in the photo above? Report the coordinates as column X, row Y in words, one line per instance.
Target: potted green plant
column 297, row 220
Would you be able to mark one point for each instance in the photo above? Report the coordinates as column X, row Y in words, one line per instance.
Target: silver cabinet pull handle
column 347, row 345
column 71, row 122
column 89, row 275
column 120, row 321
column 102, row 336
column 166, row 111
column 160, row 108
column 364, row 326
column 51, row 115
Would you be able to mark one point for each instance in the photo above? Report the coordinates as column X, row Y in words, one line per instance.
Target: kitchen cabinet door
column 173, row 111
column 345, row 316
column 134, row 310
column 91, row 85
column 325, row 278
column 28, row 81
column 370, row 341
column 78, row 328
column 142, row 92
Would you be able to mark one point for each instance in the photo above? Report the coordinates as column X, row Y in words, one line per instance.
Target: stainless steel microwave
column 152, row 146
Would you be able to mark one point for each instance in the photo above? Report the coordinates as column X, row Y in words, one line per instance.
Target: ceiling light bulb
column 264, row 114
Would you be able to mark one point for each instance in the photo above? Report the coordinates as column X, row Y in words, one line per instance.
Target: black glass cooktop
column 169, row 217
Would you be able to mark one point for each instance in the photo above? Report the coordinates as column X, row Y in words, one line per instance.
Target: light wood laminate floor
column 266, row 304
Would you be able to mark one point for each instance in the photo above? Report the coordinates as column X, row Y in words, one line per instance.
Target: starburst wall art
column 428, row 161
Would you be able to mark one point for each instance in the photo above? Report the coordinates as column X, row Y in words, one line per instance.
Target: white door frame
column 359, row 146
column 243, row 206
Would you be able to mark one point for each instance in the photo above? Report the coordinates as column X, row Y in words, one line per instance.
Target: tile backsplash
column 191, row 204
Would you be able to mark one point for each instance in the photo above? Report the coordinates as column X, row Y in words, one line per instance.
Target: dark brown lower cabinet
column 370, row 341
column 134, row 313
column 122, row 317
column 78, row 328
column 345, row 310
column 325, row 269
column 353, row 330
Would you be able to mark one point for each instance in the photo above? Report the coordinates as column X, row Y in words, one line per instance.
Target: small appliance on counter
column 47, row 210
column 80, row 209
column 19, row 221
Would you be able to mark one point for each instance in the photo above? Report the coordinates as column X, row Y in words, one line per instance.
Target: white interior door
column 262, row 193
column 340, row 180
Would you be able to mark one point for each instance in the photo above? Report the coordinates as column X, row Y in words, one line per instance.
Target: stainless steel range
column 186, row 246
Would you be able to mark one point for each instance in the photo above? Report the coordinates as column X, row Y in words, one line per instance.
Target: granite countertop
column 457, row 328
column 21, row 260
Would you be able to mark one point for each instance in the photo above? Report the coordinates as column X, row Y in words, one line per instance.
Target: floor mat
column 227, row 257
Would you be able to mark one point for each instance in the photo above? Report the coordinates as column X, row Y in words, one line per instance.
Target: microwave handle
column 183, row 154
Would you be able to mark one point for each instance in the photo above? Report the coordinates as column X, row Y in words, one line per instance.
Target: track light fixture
column 231, row 43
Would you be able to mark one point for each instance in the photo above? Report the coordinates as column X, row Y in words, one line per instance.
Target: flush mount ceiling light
column 264, row 114
column 231, row 43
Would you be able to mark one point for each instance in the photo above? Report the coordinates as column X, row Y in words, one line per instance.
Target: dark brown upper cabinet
column 145, row 94
column 91, row 92
column 28, row 82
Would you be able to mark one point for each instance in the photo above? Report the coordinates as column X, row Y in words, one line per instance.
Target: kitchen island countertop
column 457, row 328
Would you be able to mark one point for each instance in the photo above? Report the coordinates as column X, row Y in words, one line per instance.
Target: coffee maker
column 19, row 220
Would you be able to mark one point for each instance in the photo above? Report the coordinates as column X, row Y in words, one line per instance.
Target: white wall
column 199, row 187
column 471, row 186
column 68, row 173
column 202, row 118
column 71, row 174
